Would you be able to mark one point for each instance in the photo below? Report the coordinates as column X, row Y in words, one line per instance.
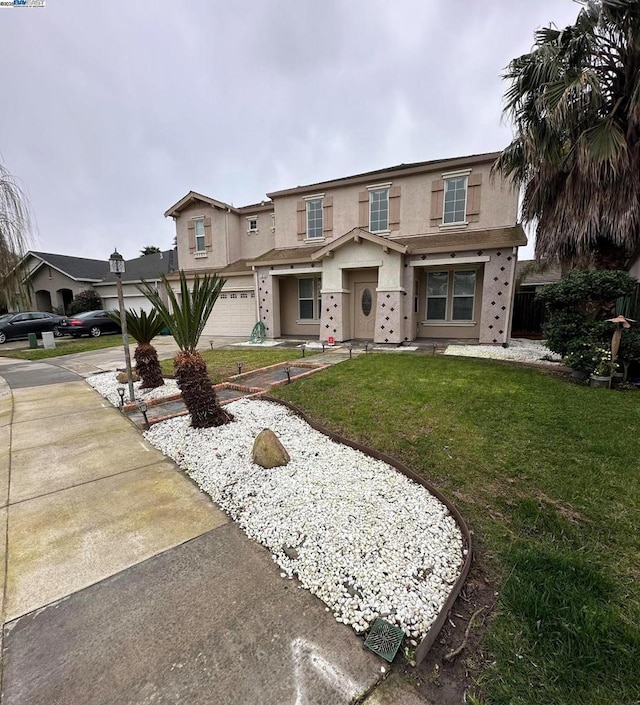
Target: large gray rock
column 268, row 451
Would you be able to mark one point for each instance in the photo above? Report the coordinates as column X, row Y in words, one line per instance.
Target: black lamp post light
column 142, row 407
column 239, row 366
column 120, row 391
column 287, row 371
column 116, row 266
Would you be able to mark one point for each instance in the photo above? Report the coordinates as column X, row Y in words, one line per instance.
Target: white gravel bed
column 263, row 344
column 518, row 351
column 107, row 385
column 358, row 534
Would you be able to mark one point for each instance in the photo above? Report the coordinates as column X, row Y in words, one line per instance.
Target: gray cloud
column 113, row 110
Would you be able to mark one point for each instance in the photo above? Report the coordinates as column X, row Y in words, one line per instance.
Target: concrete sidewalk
column 125, row 584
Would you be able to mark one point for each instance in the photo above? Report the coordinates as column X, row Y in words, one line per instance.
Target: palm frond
column 143, row 326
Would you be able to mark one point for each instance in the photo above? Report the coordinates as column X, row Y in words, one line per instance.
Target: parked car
column 92, row 323
column 20, row 324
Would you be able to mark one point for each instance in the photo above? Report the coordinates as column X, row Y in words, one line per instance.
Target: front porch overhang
column 357, row 235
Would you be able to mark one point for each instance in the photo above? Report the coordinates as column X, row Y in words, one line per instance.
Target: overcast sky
column 112, row 110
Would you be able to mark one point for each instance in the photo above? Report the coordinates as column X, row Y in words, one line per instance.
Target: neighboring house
column 424, row 250
column 148, row 268
column 56, row 279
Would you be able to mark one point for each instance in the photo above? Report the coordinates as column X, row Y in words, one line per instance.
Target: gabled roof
column 147, row 267
column 193, row 197
column 393, row 171
column 76, row 268
column 356, row 235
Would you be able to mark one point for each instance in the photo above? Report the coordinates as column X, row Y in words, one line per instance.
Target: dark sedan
column 19, row 325
column 92, row 323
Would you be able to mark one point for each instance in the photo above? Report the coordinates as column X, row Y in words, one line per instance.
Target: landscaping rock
column 267, row 451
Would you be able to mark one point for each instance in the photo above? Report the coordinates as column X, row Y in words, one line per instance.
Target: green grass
column 221, row 364
column 547, row 474
column 64, row 346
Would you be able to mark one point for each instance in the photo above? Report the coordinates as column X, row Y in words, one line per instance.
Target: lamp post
column 116, row 266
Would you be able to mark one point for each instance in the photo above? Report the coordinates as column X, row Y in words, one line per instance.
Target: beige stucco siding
column 217, row 257
column 498, row 207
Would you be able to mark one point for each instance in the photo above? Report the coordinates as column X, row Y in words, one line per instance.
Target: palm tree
column 186, row 318
column 149, row 250
column 14, row 236
column 144, row 327
column 575, row 104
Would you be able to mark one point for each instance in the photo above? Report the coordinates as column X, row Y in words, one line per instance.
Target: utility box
column 33, row 341
column 48, row 340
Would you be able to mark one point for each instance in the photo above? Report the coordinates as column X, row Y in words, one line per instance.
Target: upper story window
column 199, row 234
column 455, row 199
column 379, row 209
column 314, row 218
column 253, row 225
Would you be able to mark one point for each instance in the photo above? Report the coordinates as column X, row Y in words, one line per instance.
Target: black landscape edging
column 425, row 645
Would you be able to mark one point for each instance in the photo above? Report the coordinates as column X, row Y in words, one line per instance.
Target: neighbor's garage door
column 234, row 314
column 110, row 303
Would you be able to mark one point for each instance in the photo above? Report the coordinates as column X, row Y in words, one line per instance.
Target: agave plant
column 185, row 318
column 144, row 327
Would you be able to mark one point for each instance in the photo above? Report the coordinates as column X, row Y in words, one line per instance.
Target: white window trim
column 379, row 187
column 203, row 251
column 449, row 299
column 316, row 298
column 251, row 230
column 455, row 223
column 306, row 199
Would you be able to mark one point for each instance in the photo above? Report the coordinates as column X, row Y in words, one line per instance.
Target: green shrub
column 577, row 308
column 87, row 300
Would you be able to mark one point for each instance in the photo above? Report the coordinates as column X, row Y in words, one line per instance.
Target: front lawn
column 64, row 346
column 222, row 364
column 547, row 475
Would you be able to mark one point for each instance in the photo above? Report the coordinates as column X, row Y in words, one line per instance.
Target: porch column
column 334, row 318
column 389, row 315
column 497, row 288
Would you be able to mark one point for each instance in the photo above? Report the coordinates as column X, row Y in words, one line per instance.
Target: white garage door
column 234, row 314
column 110, row 303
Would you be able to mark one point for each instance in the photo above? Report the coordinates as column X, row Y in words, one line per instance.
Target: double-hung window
column 455, row 199
column 451, row 295
column 199, row 234
column 314, row 218
column 309, row 298
column 378, row 210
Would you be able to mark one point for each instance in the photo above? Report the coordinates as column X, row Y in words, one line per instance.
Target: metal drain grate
column 384, row 639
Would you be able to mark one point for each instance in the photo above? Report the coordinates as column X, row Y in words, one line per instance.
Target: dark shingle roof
column 146, row 267
column 289, row 254
column 75, row 267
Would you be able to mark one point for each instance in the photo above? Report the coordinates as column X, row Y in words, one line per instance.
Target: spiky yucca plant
column 144, row 327
column 186, row 318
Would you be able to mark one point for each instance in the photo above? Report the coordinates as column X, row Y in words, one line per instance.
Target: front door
column 364, row 309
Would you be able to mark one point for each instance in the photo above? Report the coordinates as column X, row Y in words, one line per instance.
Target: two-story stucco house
column 424, row 250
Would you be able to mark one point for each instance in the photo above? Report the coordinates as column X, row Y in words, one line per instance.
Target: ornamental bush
column 576, row 311
column 87, row 300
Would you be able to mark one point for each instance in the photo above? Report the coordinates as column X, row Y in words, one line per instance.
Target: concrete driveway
column 125, row 584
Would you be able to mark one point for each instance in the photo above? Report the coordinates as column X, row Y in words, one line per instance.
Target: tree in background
column 575, row 104
column 149, row 250
column 144, row 327
column 15, row 226
column 87, row 300
column 186, row 318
